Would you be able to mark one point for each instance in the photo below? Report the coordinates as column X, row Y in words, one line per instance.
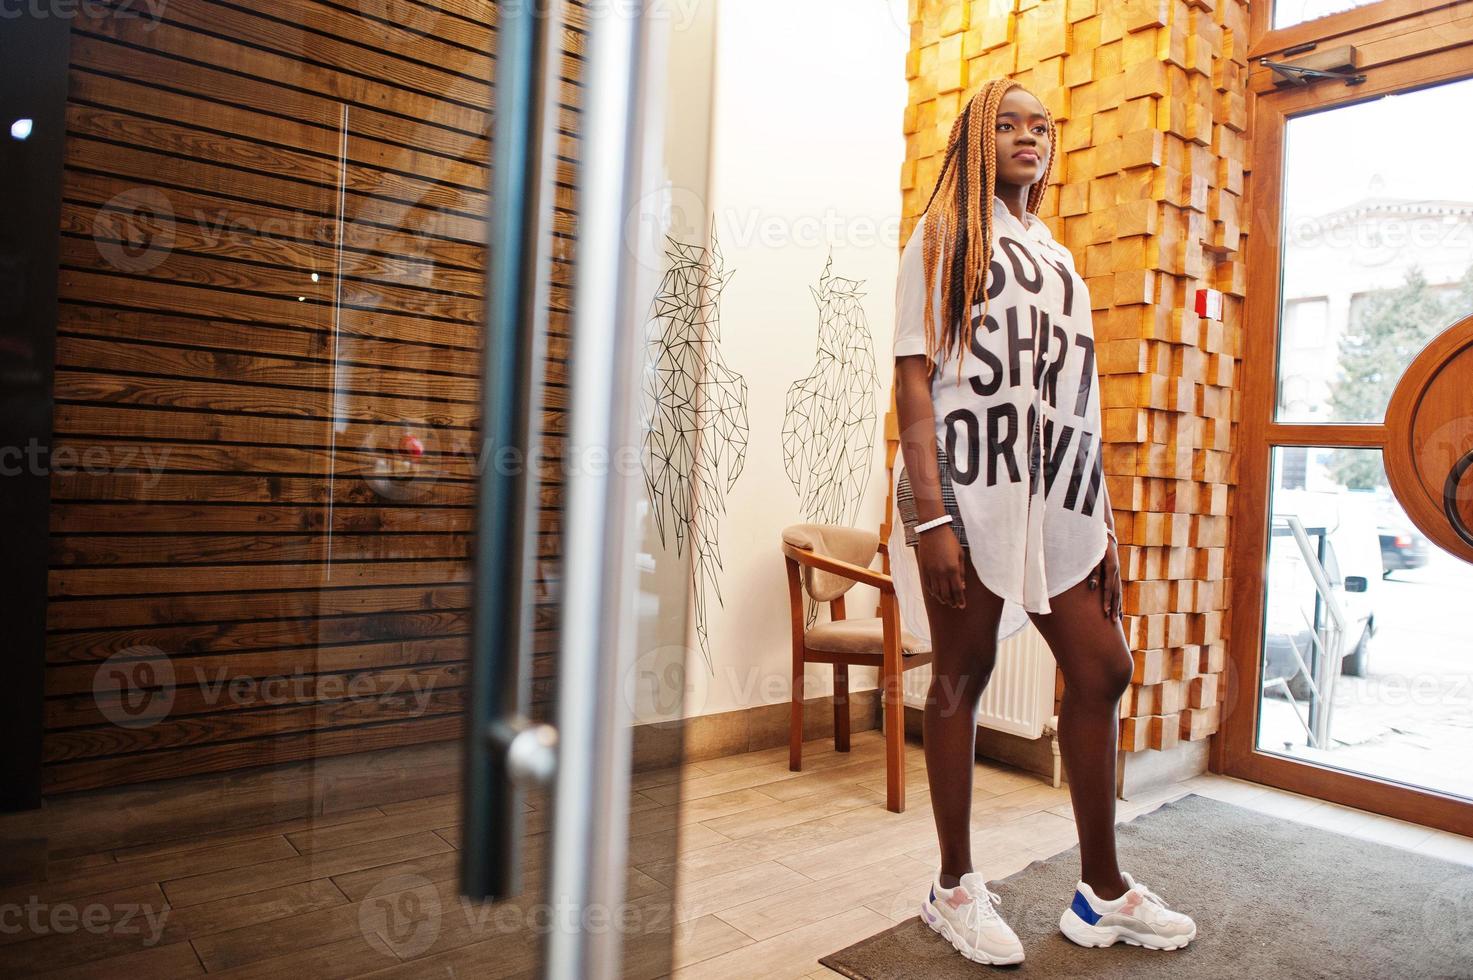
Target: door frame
column 1234, row 752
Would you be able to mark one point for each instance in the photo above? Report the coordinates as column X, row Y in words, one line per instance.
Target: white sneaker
column 966, row 917
column 1140, row 917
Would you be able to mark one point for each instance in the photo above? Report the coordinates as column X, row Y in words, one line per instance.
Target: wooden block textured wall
column 1147, row 191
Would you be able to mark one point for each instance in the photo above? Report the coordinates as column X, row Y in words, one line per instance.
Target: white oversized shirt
column 1035, row 522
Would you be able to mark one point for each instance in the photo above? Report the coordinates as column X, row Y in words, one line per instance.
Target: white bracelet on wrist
column 937, row 522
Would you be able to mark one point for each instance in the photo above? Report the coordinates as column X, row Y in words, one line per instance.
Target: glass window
column 1365, row 644
column 1377, row 248
column 1290, row 12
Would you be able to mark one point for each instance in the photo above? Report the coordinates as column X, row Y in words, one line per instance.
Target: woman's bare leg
column 1092, row 652
column 965, row 644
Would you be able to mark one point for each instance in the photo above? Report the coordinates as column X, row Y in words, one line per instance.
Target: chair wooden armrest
column 865, row 576
column 847, row 647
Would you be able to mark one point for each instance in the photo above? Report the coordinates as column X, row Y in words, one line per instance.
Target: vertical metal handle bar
column 590, row 810
column 504, row 753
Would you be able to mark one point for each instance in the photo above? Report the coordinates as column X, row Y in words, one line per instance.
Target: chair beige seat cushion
column 858, row 636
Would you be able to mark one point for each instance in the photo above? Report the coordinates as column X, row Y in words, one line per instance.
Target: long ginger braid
column 959, row 220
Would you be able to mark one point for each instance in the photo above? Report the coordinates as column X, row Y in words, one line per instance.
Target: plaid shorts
column 905, row 501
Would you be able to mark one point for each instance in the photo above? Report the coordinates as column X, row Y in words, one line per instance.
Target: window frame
column 1373, row 21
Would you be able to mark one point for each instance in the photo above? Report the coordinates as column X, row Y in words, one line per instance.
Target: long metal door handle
column 506, row 753
column 588, row 756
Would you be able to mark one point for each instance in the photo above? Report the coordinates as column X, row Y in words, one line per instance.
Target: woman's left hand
column 1107, row 577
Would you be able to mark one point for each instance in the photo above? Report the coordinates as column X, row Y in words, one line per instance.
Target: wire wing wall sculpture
column 694, row 416
column 829, row 423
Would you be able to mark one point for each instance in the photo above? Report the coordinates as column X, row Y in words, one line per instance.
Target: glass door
column 1350, row 646
column 341, row 584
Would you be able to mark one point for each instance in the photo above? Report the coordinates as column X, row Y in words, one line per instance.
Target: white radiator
column 1019, row 699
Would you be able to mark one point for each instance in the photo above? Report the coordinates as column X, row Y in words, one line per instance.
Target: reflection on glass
column 1377, row 250
column 273, row 265
column 1365, row 664
column 1290, row 12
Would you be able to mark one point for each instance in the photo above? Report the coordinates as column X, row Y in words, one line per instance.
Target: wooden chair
column 827, row 560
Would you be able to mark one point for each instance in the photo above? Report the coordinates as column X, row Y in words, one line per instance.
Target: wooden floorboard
column 770, row 869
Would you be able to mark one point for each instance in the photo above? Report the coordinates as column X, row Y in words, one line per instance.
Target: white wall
column 806, row 147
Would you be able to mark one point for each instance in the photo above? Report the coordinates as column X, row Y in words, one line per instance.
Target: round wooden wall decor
column 1429, row 448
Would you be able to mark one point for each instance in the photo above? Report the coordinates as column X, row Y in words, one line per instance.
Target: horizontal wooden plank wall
column 267, row 382
column 1152, row 106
